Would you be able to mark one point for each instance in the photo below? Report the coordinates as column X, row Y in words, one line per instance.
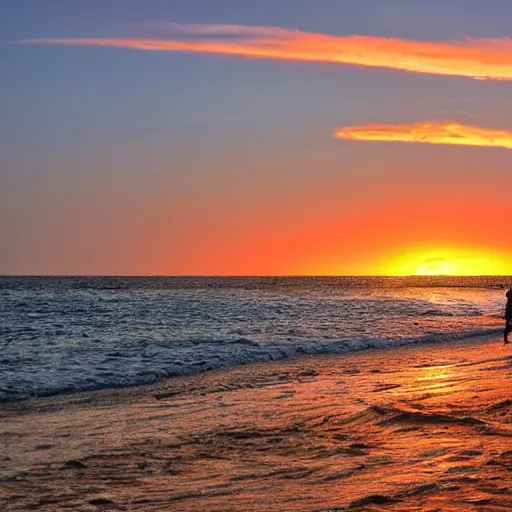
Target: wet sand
column 417, row 428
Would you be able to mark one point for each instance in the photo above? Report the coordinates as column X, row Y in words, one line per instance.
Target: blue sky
column 122, row 161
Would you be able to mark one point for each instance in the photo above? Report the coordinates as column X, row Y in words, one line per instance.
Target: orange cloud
column 429, row 133
column 475, row 58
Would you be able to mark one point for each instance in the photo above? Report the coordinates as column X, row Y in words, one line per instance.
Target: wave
column 436, row 312
column 151, row 362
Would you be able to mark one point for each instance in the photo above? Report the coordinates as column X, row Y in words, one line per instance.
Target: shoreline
column 130, row 392
column 412, row 426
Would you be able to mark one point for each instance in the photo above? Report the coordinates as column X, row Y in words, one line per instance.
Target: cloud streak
column 474, row 58
column 429, row 133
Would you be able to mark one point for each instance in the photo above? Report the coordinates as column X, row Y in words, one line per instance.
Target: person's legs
column 508, row 328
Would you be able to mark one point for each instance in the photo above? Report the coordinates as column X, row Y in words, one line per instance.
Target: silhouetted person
column 508, row 316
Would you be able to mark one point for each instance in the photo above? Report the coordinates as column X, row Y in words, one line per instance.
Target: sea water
column 69, row 334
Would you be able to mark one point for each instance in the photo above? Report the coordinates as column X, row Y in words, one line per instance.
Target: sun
column 436, row 267
column 445, row 261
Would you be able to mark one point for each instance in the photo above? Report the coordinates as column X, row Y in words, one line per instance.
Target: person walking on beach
column 508, row 316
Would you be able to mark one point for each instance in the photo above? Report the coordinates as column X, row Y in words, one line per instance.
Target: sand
column 426, row 427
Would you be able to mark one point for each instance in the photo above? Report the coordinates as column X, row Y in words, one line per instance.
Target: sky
column 269, row 137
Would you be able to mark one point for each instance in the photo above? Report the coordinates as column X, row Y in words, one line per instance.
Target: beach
column 420, row 427
column 254, row 256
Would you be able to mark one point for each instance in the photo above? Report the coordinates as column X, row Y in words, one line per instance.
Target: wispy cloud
column 475, row 58
column 429, row 133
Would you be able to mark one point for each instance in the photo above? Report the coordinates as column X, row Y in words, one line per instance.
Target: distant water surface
column 67, row 334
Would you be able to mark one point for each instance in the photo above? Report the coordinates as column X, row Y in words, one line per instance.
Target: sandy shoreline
column 424, row 427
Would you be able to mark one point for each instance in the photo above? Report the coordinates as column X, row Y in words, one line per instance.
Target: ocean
column 71, row 334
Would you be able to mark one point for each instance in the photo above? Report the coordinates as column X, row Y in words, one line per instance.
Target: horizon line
column 259, row 275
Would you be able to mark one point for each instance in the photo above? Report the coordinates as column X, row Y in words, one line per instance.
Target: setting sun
column 436, row 267
column 448, row 262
